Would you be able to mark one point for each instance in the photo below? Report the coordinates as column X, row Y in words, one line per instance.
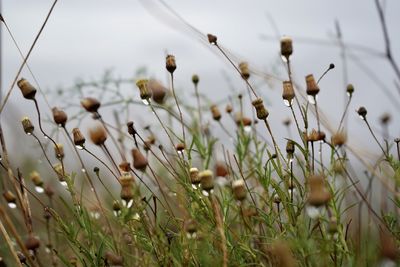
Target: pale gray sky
column 83, row 38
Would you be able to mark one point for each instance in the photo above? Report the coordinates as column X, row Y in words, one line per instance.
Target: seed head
column 288, row 91
column 27, row 125
column 194, row 176
column 240, row 120
column 312, row 86
column 36, row 179
column 158, row 91
column 27, row 89
column 9, row 197
column 190, row 226
column 319, row 195
column 170, row 63
column 350, row 89
column 131, row 128
column 287, row 122
column 79, row 139
column 216, row 114
column 313, row 136
column 212, row 39
column 142, row 84
column 286, row 46
column 385, row 118
column 244, row 70
column 206, row 180
column 90, row 104
column 239, row 190
column 339, row 138
column 290, row 148
column 139, row 160
column 221, row 169
column 261, row 111
column 228, row 108
column 59, row 151
column 362, row 112
column 116, row 206
column 98, row 135
column 32, row 243
column 59, row 116
column 48, row 190
column 195, row 79
column 180, row 147
column 124, row 166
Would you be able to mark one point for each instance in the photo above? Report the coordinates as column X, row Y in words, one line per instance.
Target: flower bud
column 385, row 118
column 27, row 89
column 79, row 139
column 194, row 176
column 195, row 79
column 286, row 46
column 261, row 111
column 319, row 194
column 124, row 166
column 350, row 89
column 36, row 179
column 32, row 243
column 142, row 84
column 312, row 86
column 27, row 125
column 180, row 147
column 221, row 169
column 158, row 91
column 90, row 104
column 10, row 197
column 139, row 160
column 338, row 139
column 59, row 151
column 288, row 93
column 239, row 190
column 206, row 180
column 48, row 190
column 98, row 135
column 362, row 112
column 59, row 116
column 216, row 114
column 290, row 148
column 228, row 108
column 170, row 63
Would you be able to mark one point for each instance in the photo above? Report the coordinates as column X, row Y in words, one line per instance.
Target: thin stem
column 376, row 139
column 179, row 108
column 101, row 161
column 344, row 113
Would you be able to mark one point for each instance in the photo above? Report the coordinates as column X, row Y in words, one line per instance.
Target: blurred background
column 83, row 39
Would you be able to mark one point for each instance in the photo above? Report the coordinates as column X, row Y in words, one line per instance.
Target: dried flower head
column 32, row 243
column 350, row 89
column 158, row 91
column 287, row 122
column 290, row 148
column 288, row 92
column 216, row 114
column 98, row 135
column 27, row 125
column 35, row 178
column 286, row 46
column 59, row 116
column 239, row 190
column 139, row 160
column 27, row 89
column 206, row 180
column 212, row 39
column 180, row 147
column 144, row 91
column 244, row 70
column 79, row 139
column 131, row 128
column 385, row 118
column 194, row 176
column 313, row 136
column 362, row 112
column 312, row 86
column 318, row 193
column 261, row 111
column 339, row 139
column 195, row 79
column 59, row 151
column 190, row 226
column 90, row 104
column 170, row 63
column 221, row 169
column 124, row 166
column 228, row 108
column 9, row 197
column 48, row 190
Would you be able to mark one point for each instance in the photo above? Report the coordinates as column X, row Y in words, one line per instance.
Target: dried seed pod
column 98, row 135
column 27, row 89
column 59, row 116
column 206, row 180
column 79, row 139
column 286, row 46
column 321, row 136
column 221, row 169
column 313, row 136
column 287, row 122
column 131, row 128
column 35, row 178
column 212, row 39
column 158, row 91
column 312, row 86
column 194, row 176
column 244, row 70
column 170, row 63
column 190, row 226
column 239, row 190
column 126, row 179
column 113, row 259
column 90, row 104
column 228, row 108
column 139, row 160
column 195, row 79
column 180, row 147
column 126, row 194
column 59, row 170
column 10, row 197
column 288, row 93
column 290, row 148
column 281, row 255
column 32, row 243
column 261, row 111
column 145, row 93
column 338, row 139
column 216, row 114
column 27, row 125
column 362, row 112
column 48, row 190
column 350, row 89
column 124, row 166
column 240, row 120
column 59, row 151
column 385, row 118
column 319, row 195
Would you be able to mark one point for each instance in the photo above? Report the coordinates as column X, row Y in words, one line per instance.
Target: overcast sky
column 84, row 38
